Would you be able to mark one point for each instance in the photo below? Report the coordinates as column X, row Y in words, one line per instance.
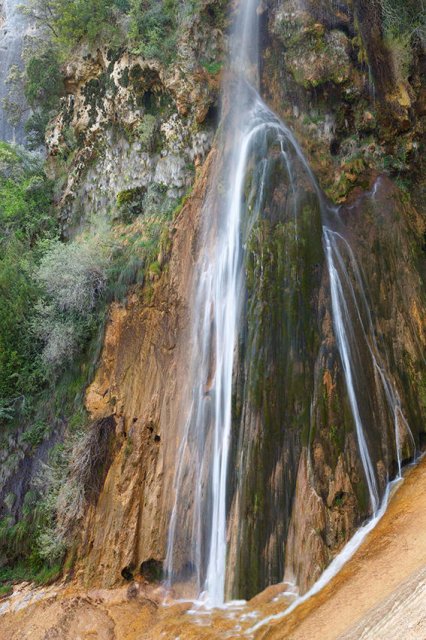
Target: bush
column 73, row 274
column 68, row 23
column 36, row 433
column 25, row 196
column 403, row 20
column 405, row 17
column 72, row 478
column 147, row 132
column 72, row 277
column 43, row 89
column 153, row 31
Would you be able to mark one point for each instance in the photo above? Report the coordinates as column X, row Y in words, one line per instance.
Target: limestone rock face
column 140, row 381
column 129, row 123
column 312, row 54
column 329, row 73
column 304, row 536
column 301, row 492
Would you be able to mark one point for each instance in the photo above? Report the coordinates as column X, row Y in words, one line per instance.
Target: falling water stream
column 197, row 542
column 13, row 28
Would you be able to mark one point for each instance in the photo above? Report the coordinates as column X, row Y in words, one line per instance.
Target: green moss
column 213, row 68
column 6, row 590
column 23, row 572
column 129, row 195
column 95, row 92
column 123, row 80
column 278, row 350
column 147, row 132
column 154, row 269
column 363, row 497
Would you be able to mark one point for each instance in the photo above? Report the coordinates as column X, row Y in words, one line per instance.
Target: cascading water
column 349, row 350
column 12, row 32
column 206, row 439
column 255, row 146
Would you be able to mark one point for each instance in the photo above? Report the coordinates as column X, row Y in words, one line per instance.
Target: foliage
column 44, row 83
column 36, row 433
column 405, row 17
column 73, row 476
column 403, row 20
column 69, row 23
column 213, row 67
column 43, row 88
column 25, row 196
column 147, row 132
column 72, row 278
column 25, row 218
column 153, row 31
column 73, row 274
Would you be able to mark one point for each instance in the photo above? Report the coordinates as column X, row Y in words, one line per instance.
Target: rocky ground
column 380, row 594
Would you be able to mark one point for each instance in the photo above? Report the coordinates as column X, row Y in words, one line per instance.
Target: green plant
column 402, row 20
column 212, row 67
column 153, row 31
column 36, row 433
column 405, row 16
column 147, row 132
column 72, row 278
column 68, row 23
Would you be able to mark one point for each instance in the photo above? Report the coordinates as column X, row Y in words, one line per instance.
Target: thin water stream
column 13, row 28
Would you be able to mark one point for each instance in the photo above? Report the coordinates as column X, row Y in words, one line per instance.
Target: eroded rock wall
column 140, row 382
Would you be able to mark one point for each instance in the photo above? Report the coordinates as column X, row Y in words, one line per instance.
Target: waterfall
column 343, row 326
column 251, row 141
column 335, row 247
column 206, row 440
column 13, row 28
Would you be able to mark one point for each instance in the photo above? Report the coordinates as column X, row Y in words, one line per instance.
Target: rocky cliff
column 134, row 135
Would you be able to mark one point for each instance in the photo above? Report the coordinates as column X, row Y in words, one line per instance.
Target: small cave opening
column 334, row 147
column 339, row 499
column 127, row 573
column 152, row 570
column 213, row 115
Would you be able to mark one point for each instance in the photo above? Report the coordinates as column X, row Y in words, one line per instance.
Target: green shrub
column 212, row 67
column 25, row 196
column 405, row 17
column 153, row 31
column 402, row 20
column 68, row 23
column 36, row 433
column 43, row 89
column 72, row 277
column 147, row 132
column 130, row 204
